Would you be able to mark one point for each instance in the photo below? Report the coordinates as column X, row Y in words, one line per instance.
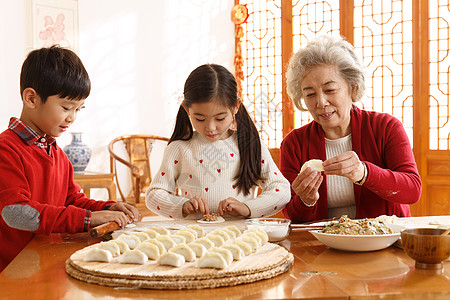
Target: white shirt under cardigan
column 199, row 167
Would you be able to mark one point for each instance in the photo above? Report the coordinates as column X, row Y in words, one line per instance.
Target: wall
column 138, row 54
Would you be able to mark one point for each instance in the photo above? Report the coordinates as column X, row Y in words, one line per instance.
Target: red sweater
column 380, row 141
column 37, row 195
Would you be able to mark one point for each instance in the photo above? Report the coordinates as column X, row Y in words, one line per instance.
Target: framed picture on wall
column 55, row 22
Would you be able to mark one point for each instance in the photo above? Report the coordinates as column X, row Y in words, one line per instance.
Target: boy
column 37, row 191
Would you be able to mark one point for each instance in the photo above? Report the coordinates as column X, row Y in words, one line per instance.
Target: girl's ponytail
column 183, row 127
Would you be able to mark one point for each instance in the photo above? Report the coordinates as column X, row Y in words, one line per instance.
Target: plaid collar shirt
column 29, row 136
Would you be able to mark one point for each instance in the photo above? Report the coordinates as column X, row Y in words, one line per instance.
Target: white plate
column 219, row 220
column 359, row 243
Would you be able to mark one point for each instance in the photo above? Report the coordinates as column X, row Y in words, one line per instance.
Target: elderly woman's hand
column 346, row 164
column 306, row 186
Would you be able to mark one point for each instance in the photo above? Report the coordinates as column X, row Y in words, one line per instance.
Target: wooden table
column 318, row 272
column 88, row 181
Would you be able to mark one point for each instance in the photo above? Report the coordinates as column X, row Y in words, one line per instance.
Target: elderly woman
column 369, row 167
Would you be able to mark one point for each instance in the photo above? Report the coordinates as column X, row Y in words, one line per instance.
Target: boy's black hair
column 55, row 71
column 213, row 82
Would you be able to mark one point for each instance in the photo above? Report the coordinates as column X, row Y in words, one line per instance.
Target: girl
column 218, row 167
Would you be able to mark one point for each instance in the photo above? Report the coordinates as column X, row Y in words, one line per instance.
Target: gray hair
column 325, row 50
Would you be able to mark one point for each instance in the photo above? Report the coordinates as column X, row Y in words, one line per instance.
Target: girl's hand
column 128, row 209
column 306, row 186
column 346, row 164
column 194, row 205
column 232, row 207
column 103, row 216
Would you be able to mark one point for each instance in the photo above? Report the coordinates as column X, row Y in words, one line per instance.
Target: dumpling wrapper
column 167, row 241
column 133, row 257
column 207, row 243
column 123, row 247
column 200, row 231
column 314, row 164
column 198, row 249
column 234, row 229
column 216, row 239
column 161, row 230
column 183, row 249
column 162, row 249
column 212, row 260
column 235, row 250
column 149, row 249
column 227, row 255
column 172, row 259
column 111, row 247
column 100, row 255
column 131, row 240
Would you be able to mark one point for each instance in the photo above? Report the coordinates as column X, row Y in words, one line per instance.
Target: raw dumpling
column 187, row 229
column 111, row 247
column 231, row 233
column 227, row 255
column 167, row 241
column 123, row 247
column 205, row 242
column 149, row 249
column 212, row 260
column 216, row 239
column 183, row 249
column 200, row 231
column 188, row 235
column 151, row 233
column 133, row 257
column 260, row 232
column 252, row 242
column 141, row 235
column 220, row 233
column 244, row 246
column 235, row 250
column 98, row 255
column 171, row 259
column 131, row 240
column 161, row 230
column 253, row 235
column 234, row 229
column 161, row 248
column 178, row 239
column 198, row 249
column 314, row 164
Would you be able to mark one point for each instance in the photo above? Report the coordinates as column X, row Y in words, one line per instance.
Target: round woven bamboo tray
column 268, row 261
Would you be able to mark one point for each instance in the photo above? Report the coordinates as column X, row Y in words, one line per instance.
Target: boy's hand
column 195, row 204
column 128, row 209
column 232, row 207
column 104, row 216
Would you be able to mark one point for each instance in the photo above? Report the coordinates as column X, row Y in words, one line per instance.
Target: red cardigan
column 30, row 177
column 381, row 142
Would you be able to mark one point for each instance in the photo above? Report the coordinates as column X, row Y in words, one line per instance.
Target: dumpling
column 111, row 247
column 187, row 229
column 123, row 247
column 231, row 233
column 200, row 231
column 225, row 253
column 98, row 255
column 151, row 233
column 205, row 242
column 198, row 249
column 161, row 248
column 131, row 240
column 235, row 250
column 244, row 246
column 220, row 233
column 234, row 229
column 172, row 259
column 149, row 249
column 253, row 235
column 216, row 239
column 260, row 232
column 183, row 249
column 212, row 260
column 161, row 230
column 133, row 257
column 141, row 235
column 252, row 242
column 167, row 241
column 314, row 164
column 178, row 239
column 188, row 236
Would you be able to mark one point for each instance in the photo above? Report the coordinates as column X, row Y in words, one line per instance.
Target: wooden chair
column 138, row 148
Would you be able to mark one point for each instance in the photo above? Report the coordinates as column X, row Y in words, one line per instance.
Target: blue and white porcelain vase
column 78, row 153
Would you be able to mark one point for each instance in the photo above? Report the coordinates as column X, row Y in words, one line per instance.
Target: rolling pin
column 100, row 230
